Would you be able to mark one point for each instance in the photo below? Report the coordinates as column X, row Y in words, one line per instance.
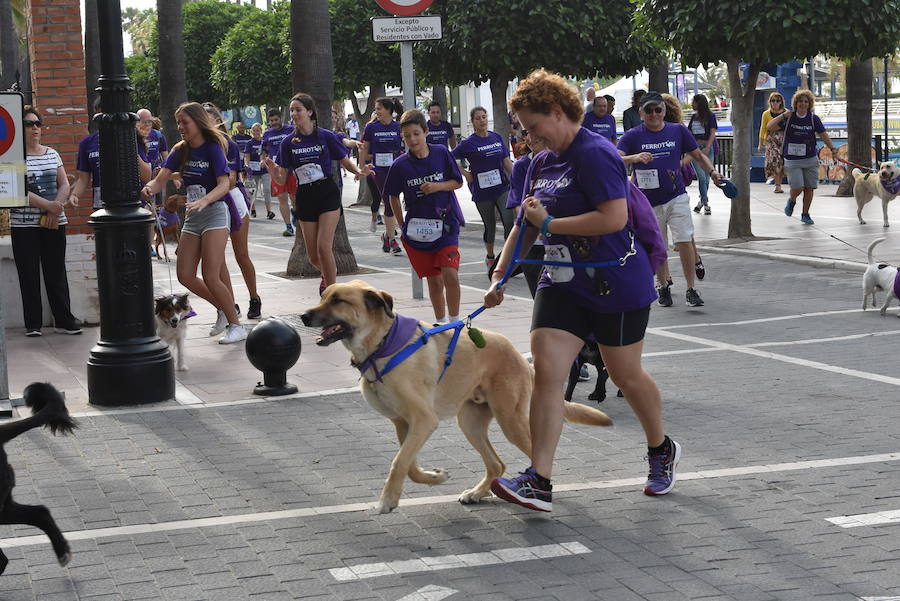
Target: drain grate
column 294, row 320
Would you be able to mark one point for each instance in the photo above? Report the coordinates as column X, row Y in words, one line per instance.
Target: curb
column 819, row 262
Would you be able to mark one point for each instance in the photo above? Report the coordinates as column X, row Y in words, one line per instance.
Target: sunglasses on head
column 655, row 109
column 31, row 123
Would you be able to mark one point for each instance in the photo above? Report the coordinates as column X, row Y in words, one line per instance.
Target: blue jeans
column 703, row 176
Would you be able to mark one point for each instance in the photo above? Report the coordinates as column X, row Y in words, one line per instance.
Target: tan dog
column 884, row 184
column 480, row 384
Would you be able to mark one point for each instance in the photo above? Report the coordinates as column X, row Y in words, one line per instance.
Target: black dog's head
column 46, row 401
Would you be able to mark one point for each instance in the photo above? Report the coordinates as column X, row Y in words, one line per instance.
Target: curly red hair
column 542, row 90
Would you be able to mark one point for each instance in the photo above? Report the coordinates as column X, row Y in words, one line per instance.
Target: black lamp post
column 129, row 364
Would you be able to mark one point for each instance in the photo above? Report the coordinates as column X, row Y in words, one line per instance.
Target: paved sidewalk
column 62, row 359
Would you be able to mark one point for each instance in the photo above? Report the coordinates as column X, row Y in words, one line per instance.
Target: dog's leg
column 573, row 379
column 884, row 204
column 39, row 517
column 421, row 426
column 4, row 561
column 474, row 419
column 179, row 350
column 887, row 301
column 417, row 474
column 599, row 393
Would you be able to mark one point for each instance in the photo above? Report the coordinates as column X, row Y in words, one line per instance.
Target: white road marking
column 894, row 598
column 185, row 396
column 749, row 470
column 432, row 592
column 818, row 340
column 450, row 562
column 761, row 319
column 866, row 519
column 777, row 357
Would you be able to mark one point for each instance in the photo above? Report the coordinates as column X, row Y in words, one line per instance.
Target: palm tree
column 312, row 71
column 859, row 119
column 172, row 85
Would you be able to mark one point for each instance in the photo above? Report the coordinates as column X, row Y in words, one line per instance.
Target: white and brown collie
column 172, row 312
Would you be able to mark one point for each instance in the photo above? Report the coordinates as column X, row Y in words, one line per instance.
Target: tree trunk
column 439, row 95
column 172, row 86
column 499, row 85
column 312, row 71
column 742, row 123
column 9, row 46
column 91, row 57
column 659, row 75
column 859, row 120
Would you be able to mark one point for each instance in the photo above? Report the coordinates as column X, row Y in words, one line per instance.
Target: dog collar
column 891, row 186
column 401, row 331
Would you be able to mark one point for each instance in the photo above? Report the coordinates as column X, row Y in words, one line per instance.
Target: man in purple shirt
column 272, row 138
column 439, row 131
column 600, row 121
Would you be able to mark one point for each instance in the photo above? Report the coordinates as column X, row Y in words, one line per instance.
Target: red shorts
column 429, row 262
column 289, row 187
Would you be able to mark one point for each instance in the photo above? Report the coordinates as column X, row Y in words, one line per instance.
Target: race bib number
column 384, row 159
column 424, row 230
column 489, row 179
column 697, row 128
column 647, row 179
column 98, row 202
column 309, row 173
column 558, row 252
column 254, row 165
column 797, row 150
column 195, row 192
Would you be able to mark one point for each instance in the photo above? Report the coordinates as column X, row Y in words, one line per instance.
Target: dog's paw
column 65, row 558
column 887, row 225
column 385, row 506
column 883, row 312
column 472, row 496
column 182, row 368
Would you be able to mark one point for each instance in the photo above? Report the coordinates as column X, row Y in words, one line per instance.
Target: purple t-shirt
column 801, row 135
column 253, row 150
column 517, row 181
column 309, row 157
column 234, row 156
column 205, row 163
column 89, row 157
column 440, row 133
column 241, row 140
column 588, row 173
column 660, row 179
column 485, row 156
column 385, row 143
column 272, row 139
column 605, row 125
column 700, row 131
column 156, row 143
column 431, row 221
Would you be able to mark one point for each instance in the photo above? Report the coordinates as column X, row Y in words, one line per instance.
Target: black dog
column 589, row 354
column 47, row 409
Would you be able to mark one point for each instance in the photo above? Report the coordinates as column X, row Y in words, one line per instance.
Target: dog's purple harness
column 891, row 187
column 897, row 284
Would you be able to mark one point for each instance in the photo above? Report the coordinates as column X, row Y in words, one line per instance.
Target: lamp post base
column 130, row 374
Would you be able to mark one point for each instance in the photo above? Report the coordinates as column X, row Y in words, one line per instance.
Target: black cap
column 651, row 98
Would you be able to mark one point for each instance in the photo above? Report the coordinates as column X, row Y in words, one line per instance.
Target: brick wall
column 58, row 87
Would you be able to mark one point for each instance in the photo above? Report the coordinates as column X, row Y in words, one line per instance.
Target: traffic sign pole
column 408, row 79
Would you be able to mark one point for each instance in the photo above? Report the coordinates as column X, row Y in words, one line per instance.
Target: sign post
column 13, row 193
column 407, row 30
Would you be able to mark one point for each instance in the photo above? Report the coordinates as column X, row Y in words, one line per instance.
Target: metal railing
column 724, row 155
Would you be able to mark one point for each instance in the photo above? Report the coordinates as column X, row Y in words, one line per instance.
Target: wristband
column 711, row 171
column 545, row 225
column 498, row 270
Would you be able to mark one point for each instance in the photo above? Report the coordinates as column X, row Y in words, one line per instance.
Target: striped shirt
column 41, row 172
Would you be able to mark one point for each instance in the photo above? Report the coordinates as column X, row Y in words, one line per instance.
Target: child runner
column 427, row 175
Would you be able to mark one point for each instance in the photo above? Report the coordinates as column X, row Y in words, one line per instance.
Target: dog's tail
column 48, row 406
column 586, row 416
column 856, row 172
column 872, row 247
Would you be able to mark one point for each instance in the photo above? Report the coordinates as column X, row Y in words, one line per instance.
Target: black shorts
column 553, row 308
column 317, row 198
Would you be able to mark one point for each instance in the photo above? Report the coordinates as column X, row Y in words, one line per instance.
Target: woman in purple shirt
column 382, row 144
column 200, row 160
column 576, row 200
column 488, row 177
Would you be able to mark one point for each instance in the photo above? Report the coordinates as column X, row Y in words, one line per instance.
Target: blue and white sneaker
column 525, row 490
column 789, row 207
column 661, row 478
column 806, row 219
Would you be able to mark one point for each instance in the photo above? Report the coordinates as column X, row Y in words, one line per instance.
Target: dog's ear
column 182, row 299
column 161, row 302
column 377, row 300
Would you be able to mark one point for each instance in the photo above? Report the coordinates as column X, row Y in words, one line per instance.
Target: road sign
column 404, row 8
column 13, row 191
column 406, row 29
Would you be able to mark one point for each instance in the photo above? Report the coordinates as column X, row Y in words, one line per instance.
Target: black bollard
column 273, row 347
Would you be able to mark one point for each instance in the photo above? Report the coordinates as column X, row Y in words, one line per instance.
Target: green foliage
column 140, row 26
column 756, row 31
column 206, row 23
column 489, row 38
column 358, row 61
column 251, row 65
column 142, row 71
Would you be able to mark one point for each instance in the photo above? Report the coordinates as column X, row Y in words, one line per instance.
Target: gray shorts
column 802, row 173
column 213, row 217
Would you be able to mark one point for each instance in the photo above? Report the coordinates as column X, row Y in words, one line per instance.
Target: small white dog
column 886, row 187
column 879, row 276
column 171, row 314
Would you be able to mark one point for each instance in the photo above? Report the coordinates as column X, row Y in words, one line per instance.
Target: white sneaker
column 234, row 333
column 372, row 226
column 219, row 326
